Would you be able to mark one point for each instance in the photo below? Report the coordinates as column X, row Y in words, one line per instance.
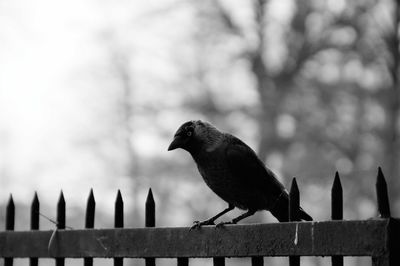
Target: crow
column 234, row 172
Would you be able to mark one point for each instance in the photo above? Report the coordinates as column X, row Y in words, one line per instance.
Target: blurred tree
column 391, row 104
column 321, row 84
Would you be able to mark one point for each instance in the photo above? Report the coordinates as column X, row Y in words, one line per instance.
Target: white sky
column 44, row 47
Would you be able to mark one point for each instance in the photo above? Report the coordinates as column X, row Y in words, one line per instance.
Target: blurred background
column 92, row 92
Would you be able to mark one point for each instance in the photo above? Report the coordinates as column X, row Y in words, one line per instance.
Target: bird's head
column 194, row 135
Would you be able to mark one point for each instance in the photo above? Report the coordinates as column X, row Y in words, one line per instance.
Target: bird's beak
column 176, row 143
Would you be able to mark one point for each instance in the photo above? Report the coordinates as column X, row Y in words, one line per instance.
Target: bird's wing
column 246, row 166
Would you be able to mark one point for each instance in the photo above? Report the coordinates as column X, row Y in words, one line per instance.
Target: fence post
column 10, row 223
column 119, row 221
column 35, row 209
column 294, row 206
column 60, row 222
column 150, row 220
column 89, row 221
column 337, row 210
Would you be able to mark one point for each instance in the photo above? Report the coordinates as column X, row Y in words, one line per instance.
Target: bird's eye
column 189, row 133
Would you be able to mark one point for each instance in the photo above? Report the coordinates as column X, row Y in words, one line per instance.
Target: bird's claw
column 222, row 224
column 198, row 224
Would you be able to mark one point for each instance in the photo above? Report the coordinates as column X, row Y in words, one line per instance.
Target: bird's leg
column 237, row 219
column 198, row 224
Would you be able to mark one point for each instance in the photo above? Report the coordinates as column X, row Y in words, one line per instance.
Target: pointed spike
column 119, row 211
column 150, row 214
column 61, row 211
column 61, row 199
column 119, row 197
column 382, row 195
column 337, row 199
column 150, row 198
column 90, row 210
column 119, row 221
column 10, row 214
column 294, row 201
column 35, row 210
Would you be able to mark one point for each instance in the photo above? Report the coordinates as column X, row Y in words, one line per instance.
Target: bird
column 234, row 172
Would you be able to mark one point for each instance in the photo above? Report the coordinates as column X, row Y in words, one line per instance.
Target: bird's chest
column 215, row 172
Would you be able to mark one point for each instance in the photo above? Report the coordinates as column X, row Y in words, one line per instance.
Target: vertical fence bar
column 10, row 224
column 150, row 220
column 35, row 209
column 60, row 222
column 391, row 258
column 119, row 221
column 294, row 206
column 337, row 210
column 257, row 261
column 183, row 261
column 219, row 261
column 382, row 195
column 89, row 221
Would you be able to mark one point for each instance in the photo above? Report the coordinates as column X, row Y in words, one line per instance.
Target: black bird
column 234, row 172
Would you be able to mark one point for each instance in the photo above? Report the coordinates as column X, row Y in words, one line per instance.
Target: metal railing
column 376, row 238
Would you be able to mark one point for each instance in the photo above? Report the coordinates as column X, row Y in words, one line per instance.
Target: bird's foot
column 198, row 224
column 222, row 224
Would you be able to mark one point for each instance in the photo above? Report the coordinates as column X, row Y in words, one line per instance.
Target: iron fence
column 376, row 238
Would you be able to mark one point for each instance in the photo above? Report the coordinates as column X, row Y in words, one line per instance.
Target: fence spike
column 119, row 211
column 150, row 220
column 119, row 221
column 294, row 206
column 10, row 214
column 294, row 201
column 337, row 199
column 10, row 224
column 382, row 195
column 89, row 221
column 61, row 211
column 90, row 210
column 337, row 210
column 35, row 210
column 150, row 210
column 61, row 222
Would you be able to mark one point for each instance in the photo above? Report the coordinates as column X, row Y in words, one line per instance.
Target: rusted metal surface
column 348, row 238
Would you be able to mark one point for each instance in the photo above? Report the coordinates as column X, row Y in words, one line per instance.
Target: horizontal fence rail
column 377, row 238
column 347, row 238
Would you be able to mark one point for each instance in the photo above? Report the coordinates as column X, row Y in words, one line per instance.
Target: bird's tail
column 281, row 211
